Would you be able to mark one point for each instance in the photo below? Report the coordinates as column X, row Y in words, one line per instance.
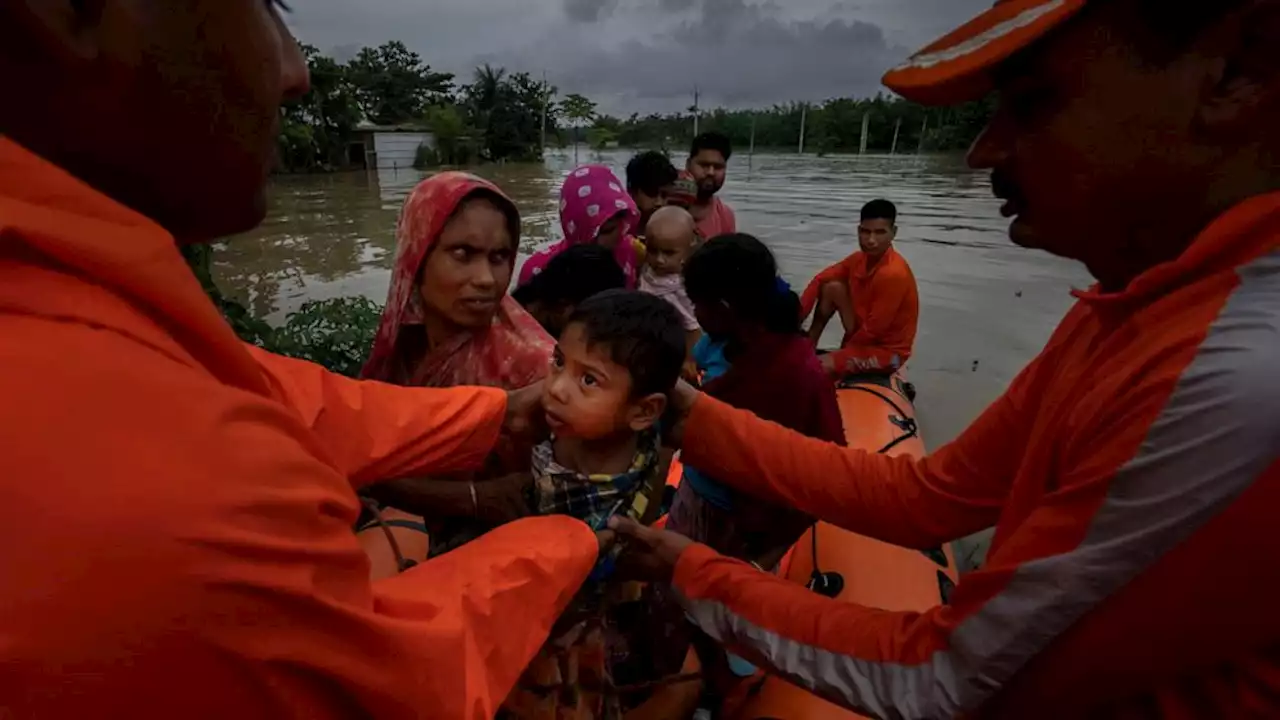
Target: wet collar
column 1238, row 236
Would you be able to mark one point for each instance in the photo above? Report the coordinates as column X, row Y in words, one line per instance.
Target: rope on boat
column 831, row 585
column 402, row 563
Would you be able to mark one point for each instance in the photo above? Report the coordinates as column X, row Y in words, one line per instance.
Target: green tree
column 316, row 129
column 580, row 110
column 833, row 126
column 506, row 111
column 454, row 138
column 393, row 85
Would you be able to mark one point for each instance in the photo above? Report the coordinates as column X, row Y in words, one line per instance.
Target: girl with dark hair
column 772, row 371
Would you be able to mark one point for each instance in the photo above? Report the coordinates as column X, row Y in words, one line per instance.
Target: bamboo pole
column 897, row 128
column 804, row 116
column 866, row 124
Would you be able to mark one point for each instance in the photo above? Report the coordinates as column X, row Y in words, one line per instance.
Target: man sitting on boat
column 874, row 293
column 1132, row 470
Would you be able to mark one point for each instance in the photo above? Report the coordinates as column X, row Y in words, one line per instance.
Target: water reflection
column 987, row 306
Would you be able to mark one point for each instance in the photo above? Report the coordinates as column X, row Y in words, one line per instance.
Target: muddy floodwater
column 987, row 306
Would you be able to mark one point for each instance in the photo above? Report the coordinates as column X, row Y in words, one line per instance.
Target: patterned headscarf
column 684, row 191
column 514, row 351
column 591, row 196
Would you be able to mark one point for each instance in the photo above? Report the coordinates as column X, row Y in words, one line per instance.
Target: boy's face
column 589, row 396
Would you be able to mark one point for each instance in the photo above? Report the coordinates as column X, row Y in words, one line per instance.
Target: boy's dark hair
column 571, row 277
column 740, row 270
column 649, row 172
column 642, row 332
column 712, row 140
column 880, row 210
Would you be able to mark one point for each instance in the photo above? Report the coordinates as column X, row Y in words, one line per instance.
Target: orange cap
column 958, row 67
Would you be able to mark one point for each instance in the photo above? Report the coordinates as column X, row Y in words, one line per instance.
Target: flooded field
column 986, row 305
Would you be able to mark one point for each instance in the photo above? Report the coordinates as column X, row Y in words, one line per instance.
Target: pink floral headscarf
column 590, row 197
column 514, row 351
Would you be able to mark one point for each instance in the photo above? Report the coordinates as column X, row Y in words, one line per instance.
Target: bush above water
column 336, row 334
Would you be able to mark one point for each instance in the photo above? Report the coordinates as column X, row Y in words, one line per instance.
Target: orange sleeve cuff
column 690, row 567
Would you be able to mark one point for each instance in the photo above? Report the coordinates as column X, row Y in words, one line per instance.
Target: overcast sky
column 647, row 55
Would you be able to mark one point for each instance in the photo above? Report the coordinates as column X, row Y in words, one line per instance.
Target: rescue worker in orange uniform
column 874, row 293
column 178, row 507
column 1132, row 470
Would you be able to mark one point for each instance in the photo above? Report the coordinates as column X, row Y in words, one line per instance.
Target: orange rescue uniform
column 1133, row 475
column 886, row 303
column 178, row 506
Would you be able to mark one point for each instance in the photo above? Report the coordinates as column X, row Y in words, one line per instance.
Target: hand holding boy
column 525, row 417
column 679, row 402
column 650, row 554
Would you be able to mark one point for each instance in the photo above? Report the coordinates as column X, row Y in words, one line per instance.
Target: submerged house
column 387, row 147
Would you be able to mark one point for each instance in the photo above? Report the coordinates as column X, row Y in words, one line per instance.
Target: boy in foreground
column 619, row 355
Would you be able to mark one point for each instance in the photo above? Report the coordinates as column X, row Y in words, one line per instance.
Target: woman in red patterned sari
column 449, row 321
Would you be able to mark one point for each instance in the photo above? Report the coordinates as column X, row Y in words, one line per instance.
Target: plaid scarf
column 557, row 490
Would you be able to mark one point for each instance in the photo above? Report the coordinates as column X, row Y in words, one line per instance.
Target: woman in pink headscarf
column 594, row 208
column 449, row 321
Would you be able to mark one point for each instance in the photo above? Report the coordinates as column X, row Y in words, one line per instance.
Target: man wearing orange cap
column 1132, row 469
column 178, row 506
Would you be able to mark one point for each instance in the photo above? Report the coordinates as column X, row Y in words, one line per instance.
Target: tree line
column 499, row 116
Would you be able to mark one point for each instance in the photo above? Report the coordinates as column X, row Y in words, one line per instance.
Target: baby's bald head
column 674, row 224
column 670, row 237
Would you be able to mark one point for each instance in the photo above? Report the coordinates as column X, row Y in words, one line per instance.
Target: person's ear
column 66, row 30
column 646, row 412
column 1244, row 74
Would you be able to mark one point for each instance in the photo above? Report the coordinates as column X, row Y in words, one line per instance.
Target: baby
column 619, row 355
column 672, row 237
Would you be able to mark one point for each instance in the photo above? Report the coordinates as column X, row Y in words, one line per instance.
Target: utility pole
column 804, row 117
column 866, row 125
column 751, row 152
column 695, row 110
column 893, row 150
column 546, row 96
column 923, row 127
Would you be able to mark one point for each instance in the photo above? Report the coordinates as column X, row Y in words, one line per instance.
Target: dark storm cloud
column 589, row 11
column 646, row 55
column 737, row 53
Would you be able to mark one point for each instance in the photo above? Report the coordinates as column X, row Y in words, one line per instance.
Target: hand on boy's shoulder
column 680, row 402
column 525, row 416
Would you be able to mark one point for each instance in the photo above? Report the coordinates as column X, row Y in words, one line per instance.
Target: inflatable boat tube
column 878, row 417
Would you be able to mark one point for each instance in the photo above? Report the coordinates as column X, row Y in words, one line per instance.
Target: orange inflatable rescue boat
column 879, row 417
